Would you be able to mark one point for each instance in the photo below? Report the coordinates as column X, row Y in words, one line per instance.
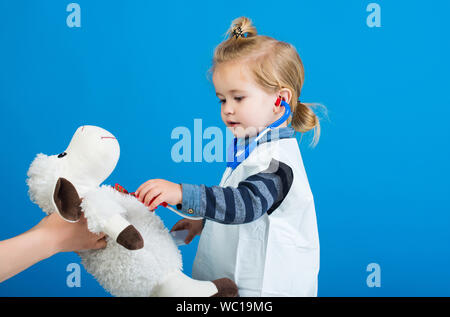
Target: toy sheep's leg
column 124, row 233
column 178, row 284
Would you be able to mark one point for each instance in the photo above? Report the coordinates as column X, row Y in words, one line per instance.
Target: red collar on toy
column 122, row 190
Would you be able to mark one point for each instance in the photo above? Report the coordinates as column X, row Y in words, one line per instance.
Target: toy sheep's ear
column 67, row 200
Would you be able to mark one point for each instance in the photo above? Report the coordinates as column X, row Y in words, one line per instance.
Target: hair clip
column 238, row 33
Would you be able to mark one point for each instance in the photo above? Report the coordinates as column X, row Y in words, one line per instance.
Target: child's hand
column 155, row 191
column 195, row 228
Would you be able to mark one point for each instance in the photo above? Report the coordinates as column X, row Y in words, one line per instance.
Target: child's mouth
column 232, row 123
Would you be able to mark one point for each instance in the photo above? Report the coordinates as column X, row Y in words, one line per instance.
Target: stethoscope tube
column 239, row 157
column 250, row 147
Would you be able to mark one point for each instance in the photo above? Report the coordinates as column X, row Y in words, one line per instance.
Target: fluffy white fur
column 42, row 176
column 130, row 273
column 155, row 269
column 120, row 271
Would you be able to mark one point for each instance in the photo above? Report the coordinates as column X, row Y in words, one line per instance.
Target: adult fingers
column 82, row 220
column 100, row 244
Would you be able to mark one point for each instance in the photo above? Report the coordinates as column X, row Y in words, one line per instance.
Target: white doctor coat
column 275, row 255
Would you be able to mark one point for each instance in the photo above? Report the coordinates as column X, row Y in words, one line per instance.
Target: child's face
column 245, row 107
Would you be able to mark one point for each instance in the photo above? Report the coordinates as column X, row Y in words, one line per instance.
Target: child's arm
column 252, row 198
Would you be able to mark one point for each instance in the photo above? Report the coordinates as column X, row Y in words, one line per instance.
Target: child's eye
column 221, row 101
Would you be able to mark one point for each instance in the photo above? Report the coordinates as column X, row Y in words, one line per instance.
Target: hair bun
column 241, row 27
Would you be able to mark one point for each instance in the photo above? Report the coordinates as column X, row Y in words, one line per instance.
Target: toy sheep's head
column 89, row 159
column 91, row 156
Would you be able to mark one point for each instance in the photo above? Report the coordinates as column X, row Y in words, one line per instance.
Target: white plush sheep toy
column 141, row 258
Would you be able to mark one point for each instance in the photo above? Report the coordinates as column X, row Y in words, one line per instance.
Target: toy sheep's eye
column 62, row 154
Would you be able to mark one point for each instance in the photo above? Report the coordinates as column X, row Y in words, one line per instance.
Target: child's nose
column 228, row 108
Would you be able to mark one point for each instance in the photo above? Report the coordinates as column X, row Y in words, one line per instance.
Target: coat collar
column 272, row 135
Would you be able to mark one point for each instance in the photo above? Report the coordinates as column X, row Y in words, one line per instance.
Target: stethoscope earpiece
column 278, row 101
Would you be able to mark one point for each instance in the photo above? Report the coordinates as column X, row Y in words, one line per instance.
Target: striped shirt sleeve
column 253, row 197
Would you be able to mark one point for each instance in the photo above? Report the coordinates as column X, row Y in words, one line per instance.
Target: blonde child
column 259, row 225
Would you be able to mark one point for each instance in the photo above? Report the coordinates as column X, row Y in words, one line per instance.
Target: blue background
column 379, row 174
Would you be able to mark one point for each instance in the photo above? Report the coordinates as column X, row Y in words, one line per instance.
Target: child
column 259, row 225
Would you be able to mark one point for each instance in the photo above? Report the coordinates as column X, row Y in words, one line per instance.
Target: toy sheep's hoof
column 226, row 288
column 130, row 238
column 67, row 200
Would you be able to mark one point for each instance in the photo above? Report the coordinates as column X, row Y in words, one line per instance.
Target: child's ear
column 286, row 94
column 67, row 200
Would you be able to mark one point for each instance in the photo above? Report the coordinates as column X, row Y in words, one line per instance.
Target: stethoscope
column 237, row 157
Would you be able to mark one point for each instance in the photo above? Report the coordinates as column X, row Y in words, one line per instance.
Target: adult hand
column 66, row 236
column 50, row 236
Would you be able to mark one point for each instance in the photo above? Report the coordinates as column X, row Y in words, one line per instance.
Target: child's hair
column 274, row 65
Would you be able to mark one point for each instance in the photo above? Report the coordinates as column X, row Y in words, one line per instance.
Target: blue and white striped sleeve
column 253, row 197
